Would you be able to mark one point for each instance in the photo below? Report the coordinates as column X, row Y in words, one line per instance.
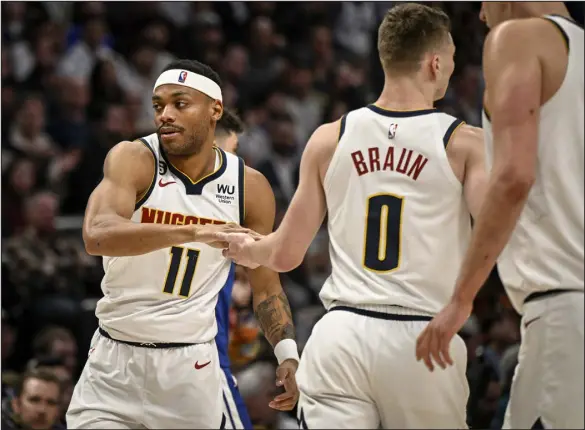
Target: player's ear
column 435, row 66
column 216, row 110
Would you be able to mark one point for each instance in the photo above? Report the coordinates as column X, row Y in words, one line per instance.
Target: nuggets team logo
column 392, row 131
column 182, row 77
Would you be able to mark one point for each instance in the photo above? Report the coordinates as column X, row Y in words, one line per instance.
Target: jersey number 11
column 177, row 252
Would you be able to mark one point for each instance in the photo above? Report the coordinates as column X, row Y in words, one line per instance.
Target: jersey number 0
column 177, row 252
column 383, row 232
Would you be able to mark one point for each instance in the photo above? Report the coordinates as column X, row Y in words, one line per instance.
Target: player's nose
column 167, row 116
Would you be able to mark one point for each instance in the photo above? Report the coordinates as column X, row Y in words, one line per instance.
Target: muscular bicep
column 513, row 85
column 475, row 179
column 128, row 173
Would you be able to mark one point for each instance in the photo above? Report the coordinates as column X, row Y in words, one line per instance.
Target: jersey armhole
column 242, row 189
column 333, row 162
column 146, row 194
column 451, row 131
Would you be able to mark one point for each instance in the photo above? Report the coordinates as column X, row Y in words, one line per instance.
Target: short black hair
column 195, row 67
column 44, row 375
column 229, row 123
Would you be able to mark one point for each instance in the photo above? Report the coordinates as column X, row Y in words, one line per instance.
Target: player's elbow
column 92, row 239
column 91, row 242
column 284, row 260
column 516, row 183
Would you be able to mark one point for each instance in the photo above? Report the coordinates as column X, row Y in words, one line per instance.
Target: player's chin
column 171, row 138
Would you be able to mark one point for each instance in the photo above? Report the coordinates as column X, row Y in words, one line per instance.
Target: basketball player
column 533, row 66
column 398, row 180
column 153, row 362
column 226, row 137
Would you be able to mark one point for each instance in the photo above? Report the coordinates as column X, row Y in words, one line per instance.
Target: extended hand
column 213, row 234
column 237, row 247
column 433, row 342
column 285, row 376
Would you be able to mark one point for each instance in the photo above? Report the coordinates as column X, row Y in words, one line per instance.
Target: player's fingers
column 445, row 353
column 422, row 345
column 284, row 396
column 281, row 375
column 285, row 405
column 434, row 349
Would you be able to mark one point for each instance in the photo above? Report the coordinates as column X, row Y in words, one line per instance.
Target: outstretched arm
column 107, row 228
column 271, row 306
column 285, row 249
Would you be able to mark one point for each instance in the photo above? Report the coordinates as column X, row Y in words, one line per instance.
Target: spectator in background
column 104, row 89
column 280, row 167
column 17, row 185
column 256, row 384
column 57, row 343
column 35, row 404
column 56, row 366
column 80, row 59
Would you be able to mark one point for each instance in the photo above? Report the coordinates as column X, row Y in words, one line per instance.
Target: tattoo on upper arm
column 275, row 318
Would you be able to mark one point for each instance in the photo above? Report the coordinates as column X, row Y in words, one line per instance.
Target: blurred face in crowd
column 41, row 211
column 283, row 140
column 144, row 59
column 66, row 349
column 228, row 142
column 301, row 80
column 184, row 117
column 95, row 30
column 38, row 404
column 31, row 117
column 262, row 33
column 236, row 61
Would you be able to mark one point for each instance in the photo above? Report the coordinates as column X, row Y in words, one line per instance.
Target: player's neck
column 196, row 166
column 405, row 95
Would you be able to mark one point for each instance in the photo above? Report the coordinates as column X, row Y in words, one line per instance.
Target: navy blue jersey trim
column 146, row 195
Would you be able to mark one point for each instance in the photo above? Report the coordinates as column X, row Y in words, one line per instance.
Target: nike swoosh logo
column 530, row 322
column 164, row 184
column 201, row 366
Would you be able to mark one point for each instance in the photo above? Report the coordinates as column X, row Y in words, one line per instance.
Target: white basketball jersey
column 398, row 224
column 545, row 251
column 170, row 295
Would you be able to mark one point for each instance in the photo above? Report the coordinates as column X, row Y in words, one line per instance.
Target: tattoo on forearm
column 275, row 318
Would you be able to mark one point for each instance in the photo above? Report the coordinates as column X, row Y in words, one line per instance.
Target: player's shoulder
column 132, row 151
column 515, row 36
column 130, row 158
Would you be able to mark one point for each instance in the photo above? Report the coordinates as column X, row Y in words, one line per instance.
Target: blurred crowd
column 77, row 78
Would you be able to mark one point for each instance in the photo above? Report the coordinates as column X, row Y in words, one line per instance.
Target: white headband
column 191, row 80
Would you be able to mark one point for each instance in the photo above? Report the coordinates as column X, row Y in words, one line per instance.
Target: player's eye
column 180, row 105
column 156, row 107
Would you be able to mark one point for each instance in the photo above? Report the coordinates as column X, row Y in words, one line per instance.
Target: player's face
column 228, row 143
column 444, row 66
column 185, row 118
column 493, row 13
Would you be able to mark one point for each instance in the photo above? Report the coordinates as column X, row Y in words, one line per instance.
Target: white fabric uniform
column 545, row 253
column 398, row 229
column 162, row 304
